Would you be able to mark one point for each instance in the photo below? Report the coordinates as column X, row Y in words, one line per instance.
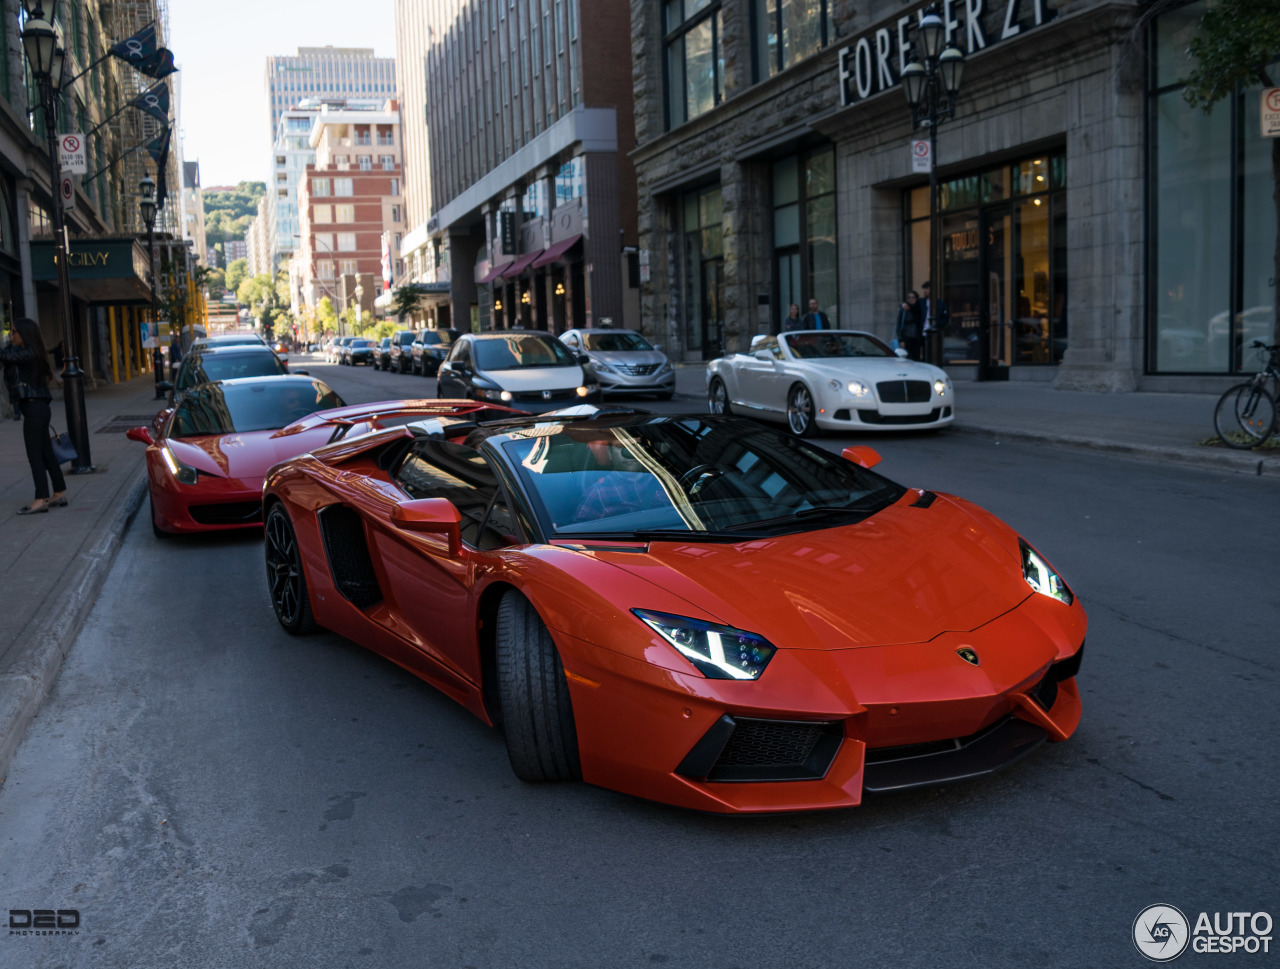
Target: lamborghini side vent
column 348, row 553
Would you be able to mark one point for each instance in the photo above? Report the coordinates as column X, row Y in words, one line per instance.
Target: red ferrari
column 699, row 610
column 207, row 458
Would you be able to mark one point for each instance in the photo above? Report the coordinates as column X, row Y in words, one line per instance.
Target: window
column 386, row 138
column 395, row 213
column 346, row 242
column 804, row 230
column 324, row 241
column 322, row 213
column 324, row 269
column 395, row 186
column 320, row 187
column 366, row 163
column 695, row 61
column 343, row 187
column 344, row 213
column 279, row 160
column 569, row 180
column 349, row 267
column 363, row 137
column 442, row 469
column 388, row 162
column 787, row 31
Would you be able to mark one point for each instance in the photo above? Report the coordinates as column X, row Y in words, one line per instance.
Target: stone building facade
column 767, row 175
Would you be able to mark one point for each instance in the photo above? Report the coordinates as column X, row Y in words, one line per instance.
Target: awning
column 521, row 264
column 494, row 273
column 111, row 270
column 557, row 251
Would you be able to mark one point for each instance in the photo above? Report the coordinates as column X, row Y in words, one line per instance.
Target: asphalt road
column 207, row 791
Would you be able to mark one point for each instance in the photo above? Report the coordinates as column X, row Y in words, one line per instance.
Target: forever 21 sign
column 876, row 60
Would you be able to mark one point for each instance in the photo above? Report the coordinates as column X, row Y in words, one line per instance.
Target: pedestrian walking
column 792, row 320
column 937, row 317
column 908, row 333
column 26, row 352
column 815, row 319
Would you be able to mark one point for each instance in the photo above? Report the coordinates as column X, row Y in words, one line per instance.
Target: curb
column 24, row 685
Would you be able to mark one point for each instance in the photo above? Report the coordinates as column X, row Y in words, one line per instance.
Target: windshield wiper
column 655, row 535
column 814, row 511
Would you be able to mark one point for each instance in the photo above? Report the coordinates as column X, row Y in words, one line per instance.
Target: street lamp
column 931, row 82
column 147, row 209
column 47, row 60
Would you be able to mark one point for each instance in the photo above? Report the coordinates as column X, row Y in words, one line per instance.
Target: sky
column 221, row 49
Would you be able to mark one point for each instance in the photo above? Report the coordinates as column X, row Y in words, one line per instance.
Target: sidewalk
column 1159, row 427
column 52, row 565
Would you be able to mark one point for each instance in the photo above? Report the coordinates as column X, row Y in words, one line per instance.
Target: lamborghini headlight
column 718, row 652
column 1041, row 576
column 183, row 472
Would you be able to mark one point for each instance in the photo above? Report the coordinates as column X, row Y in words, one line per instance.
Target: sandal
column 28, row 510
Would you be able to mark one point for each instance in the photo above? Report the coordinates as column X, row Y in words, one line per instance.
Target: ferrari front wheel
column 800, row 411
column 537, row 717
column 285, row 580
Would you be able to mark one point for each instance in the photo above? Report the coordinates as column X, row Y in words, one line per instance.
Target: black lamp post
column 931, row 82
column 147, row 209
column 47, row 60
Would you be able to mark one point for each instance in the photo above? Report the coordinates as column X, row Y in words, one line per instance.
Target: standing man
column 936, row 320
column 815, row 319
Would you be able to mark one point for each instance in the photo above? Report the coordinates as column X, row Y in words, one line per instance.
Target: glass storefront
column 1004, row 262
column 804, row 232
column 1213, row 219
column 703, row 213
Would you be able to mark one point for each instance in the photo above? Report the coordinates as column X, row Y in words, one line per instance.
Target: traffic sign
column 68, row 190
column 71, row 155
column 920, row 155
column 1271, row 112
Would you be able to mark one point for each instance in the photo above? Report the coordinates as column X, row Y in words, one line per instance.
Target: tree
column 407, row 300
column 1237, row 46
column 217, row 283
column 236, row 273
column 326, row 318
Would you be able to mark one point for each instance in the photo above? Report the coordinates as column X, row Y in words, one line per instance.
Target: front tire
column 800, row 411
column 717, row 397
column 1245, row 416
column 537, row 716
column 286, row 582
column 156, row 530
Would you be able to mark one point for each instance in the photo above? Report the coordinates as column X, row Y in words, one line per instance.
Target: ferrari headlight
column 941, row 386
column 1041, row 576
column 718, row 652
column 858, row 388
column 183, row 472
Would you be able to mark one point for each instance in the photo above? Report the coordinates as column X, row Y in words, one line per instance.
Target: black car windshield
column 836, row 344
column 521, row 350
column 359, row 343
column 256, row 406
column 201, row 368
column 616, row 340
column 711, row 477
column 434, row 337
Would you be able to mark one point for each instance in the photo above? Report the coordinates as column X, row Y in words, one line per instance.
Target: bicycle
column 1245, row 416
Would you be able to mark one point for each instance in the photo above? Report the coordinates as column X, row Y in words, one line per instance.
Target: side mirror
column 582, row 358
column 657, row 348
column 902, row 353
column 436, row 515
column 861, row 455
column 764, row 355
column 139, row 434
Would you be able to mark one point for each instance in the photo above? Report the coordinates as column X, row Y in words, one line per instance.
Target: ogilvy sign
column 875, row 61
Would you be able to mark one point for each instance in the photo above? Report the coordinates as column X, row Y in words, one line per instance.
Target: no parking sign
column 1271, row 112
column 920, row 160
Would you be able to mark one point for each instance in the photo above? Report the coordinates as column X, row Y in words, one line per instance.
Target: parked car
column 203, row 364
column 430, row 347
column 836, row 380
column 228, row 340
column 402, row 350
column 624, row 361
column 528, row 369
column 339, row 345
column 382, row 354
column 207, row 457
column 359, row 350
column 706, row 612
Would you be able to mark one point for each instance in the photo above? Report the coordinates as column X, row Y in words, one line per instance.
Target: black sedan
column 359, row 351
column 527, row 369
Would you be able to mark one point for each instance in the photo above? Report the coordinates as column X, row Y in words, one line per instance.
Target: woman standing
column 27, row 354
column 909, row 331
column 792, row 320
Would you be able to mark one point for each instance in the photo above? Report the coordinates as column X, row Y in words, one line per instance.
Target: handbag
column 63, row 449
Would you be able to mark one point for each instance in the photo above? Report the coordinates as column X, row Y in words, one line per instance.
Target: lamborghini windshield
column 706, row 477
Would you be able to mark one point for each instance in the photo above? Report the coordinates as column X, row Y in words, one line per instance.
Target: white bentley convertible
column 835, row 380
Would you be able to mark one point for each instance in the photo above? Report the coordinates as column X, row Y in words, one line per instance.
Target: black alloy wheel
column 285, row 579
column 537, row 715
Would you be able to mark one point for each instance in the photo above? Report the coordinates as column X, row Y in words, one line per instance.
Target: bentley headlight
column 718, row 652
column 858, row 388
column 183, row 472
column 941, row 386
column 1041, row 576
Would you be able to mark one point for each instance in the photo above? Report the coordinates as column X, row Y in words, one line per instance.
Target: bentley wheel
column 285, row 580
column 537, row 717
column 718, row 397
column 800, row 411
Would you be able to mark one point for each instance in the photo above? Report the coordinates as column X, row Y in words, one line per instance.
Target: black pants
column 914, row 345
column 35, row 434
